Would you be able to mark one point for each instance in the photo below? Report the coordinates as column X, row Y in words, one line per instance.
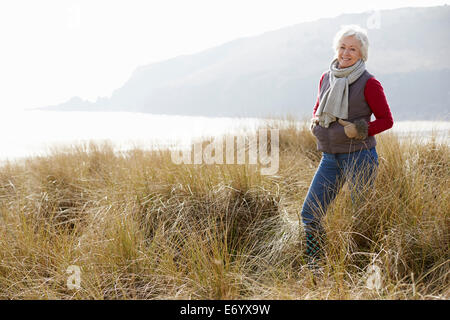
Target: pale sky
column 53, row 50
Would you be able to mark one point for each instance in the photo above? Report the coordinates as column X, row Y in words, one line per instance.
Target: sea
column 30, row 133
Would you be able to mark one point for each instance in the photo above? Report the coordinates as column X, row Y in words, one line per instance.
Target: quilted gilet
column 333, row 139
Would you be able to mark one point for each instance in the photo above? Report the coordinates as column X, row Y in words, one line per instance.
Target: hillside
column 277, row 72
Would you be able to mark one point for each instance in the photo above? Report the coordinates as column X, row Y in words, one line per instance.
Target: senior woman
column 348, row 96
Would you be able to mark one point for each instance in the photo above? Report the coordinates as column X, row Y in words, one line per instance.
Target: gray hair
column 356, row 31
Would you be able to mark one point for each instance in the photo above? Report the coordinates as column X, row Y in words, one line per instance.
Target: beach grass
column 139, row 226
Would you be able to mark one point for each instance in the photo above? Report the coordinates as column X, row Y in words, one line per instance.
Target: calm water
column 31, row 133
column 34, row 133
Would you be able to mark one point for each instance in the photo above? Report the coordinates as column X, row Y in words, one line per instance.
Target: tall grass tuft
column 142, row 227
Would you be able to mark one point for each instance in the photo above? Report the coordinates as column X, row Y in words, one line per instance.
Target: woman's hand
column 350, row 129
column 314, row 122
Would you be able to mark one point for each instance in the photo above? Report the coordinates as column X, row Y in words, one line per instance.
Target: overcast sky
column 55, row 49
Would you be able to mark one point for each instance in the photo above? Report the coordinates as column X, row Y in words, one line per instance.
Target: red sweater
column 374, row 94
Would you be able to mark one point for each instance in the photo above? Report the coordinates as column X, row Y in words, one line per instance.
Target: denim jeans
column 357, row 168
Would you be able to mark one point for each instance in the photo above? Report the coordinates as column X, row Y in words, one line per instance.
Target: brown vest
column 333, row 138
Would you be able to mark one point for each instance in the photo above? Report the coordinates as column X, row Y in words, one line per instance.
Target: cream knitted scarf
column 334, row 103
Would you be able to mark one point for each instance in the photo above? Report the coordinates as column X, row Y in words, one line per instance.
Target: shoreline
column 120, row 147
column 46, row 131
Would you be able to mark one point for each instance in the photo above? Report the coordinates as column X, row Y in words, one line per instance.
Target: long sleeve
column 376, row 99
column 318, row 95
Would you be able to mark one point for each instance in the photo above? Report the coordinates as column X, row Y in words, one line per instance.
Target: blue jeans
column 357, row 168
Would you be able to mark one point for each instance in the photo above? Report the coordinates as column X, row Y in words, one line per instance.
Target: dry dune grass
column 141, row 227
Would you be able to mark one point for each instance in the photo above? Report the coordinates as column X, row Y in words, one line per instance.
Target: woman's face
column 349, row 52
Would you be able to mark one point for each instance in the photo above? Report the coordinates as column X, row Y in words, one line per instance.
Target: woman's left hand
column 350, row 129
